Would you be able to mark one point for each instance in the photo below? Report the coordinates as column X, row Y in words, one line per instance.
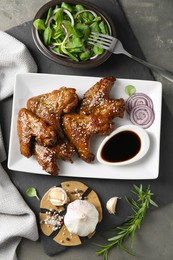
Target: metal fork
column 113, row 45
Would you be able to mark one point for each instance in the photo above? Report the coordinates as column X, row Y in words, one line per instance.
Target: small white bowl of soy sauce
column 126, row 144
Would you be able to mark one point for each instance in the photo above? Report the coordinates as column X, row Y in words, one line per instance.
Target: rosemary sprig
column 128, row 229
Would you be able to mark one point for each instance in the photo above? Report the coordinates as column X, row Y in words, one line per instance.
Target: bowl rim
column 63, row 60
column 145, row 144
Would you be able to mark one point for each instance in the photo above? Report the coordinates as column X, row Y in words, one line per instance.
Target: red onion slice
column 50, row 20
column 138, row 99
column 142, row 115
column 84, row 11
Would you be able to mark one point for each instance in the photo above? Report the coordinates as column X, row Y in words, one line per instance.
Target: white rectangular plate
column 29, row 85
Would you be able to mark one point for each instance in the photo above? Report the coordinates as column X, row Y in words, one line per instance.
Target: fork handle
column 164, row 73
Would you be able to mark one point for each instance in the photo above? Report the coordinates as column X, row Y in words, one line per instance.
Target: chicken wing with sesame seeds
column 31, row 128
column 51, row 106
column 47, row 156
column 80, row 128
column 97, row 101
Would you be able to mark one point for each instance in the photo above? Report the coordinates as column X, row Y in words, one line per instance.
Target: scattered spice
column 77, row 193
column 53, row 219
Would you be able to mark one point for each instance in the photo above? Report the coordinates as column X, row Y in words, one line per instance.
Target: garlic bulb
column 58, row 196
column 81, row 217
column 111, row 205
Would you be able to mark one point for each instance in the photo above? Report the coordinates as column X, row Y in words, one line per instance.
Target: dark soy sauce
column 121, row 147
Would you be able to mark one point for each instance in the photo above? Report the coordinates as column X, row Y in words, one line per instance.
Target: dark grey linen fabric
column 118, row 66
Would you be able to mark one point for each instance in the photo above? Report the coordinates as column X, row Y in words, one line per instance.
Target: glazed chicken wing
column 80, row 128
column 97, row 101
column 51, row 106
column 47, row 156
column 30, row 128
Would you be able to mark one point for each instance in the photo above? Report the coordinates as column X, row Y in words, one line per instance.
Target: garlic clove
column 58, row 196
column 111, row 205
column 81, row 218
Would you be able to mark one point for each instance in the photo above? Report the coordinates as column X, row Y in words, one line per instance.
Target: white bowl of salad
column 61, row 31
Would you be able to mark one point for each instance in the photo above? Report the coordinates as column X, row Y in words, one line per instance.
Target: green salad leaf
column 58, row 17
column 31, row 192
column 39, row 24
column 67, row 7
column 66, row 28
column 47, row 35
column 130, row 90
column 79, row 8
column 49, row 14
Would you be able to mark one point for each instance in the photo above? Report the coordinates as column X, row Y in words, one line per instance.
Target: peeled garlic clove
column 58, row 196
column 81, row 218
column 111, row 205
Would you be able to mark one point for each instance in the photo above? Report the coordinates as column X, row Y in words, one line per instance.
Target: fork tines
column 104, row 41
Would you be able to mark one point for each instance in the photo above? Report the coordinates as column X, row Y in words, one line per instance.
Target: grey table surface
column 152, row 23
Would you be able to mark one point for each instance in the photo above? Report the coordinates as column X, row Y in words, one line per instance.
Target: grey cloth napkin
column 16, row 218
